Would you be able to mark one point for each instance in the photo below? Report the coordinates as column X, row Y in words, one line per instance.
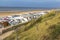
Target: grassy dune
column 46, row 27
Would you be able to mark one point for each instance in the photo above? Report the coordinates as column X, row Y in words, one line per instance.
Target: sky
column 29, row 3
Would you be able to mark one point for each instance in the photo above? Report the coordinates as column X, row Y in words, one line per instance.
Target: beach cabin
column 3, row 23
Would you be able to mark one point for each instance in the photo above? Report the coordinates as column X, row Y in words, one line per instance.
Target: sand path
column 3, row 36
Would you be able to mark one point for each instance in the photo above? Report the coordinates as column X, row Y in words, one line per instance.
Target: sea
column 22, row 8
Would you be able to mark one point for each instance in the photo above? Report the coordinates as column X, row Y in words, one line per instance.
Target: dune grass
column 46, row 27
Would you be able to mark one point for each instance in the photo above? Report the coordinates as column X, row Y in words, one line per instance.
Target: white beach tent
column 27, row 16
column 17, row 20
column 22, row 19
column 42, row 12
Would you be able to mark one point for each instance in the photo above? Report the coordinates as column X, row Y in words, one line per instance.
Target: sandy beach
column 9, row 13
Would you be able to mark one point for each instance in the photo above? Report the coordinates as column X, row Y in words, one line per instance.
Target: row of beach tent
column 22, row 18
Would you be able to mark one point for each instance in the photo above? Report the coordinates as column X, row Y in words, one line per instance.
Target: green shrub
column 55, row 31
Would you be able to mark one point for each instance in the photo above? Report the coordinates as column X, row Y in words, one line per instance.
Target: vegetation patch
column 46, row 27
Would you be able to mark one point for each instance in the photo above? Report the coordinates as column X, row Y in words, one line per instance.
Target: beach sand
column 9, row 13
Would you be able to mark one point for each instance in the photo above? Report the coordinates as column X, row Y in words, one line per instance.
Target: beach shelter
column 3, row 23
